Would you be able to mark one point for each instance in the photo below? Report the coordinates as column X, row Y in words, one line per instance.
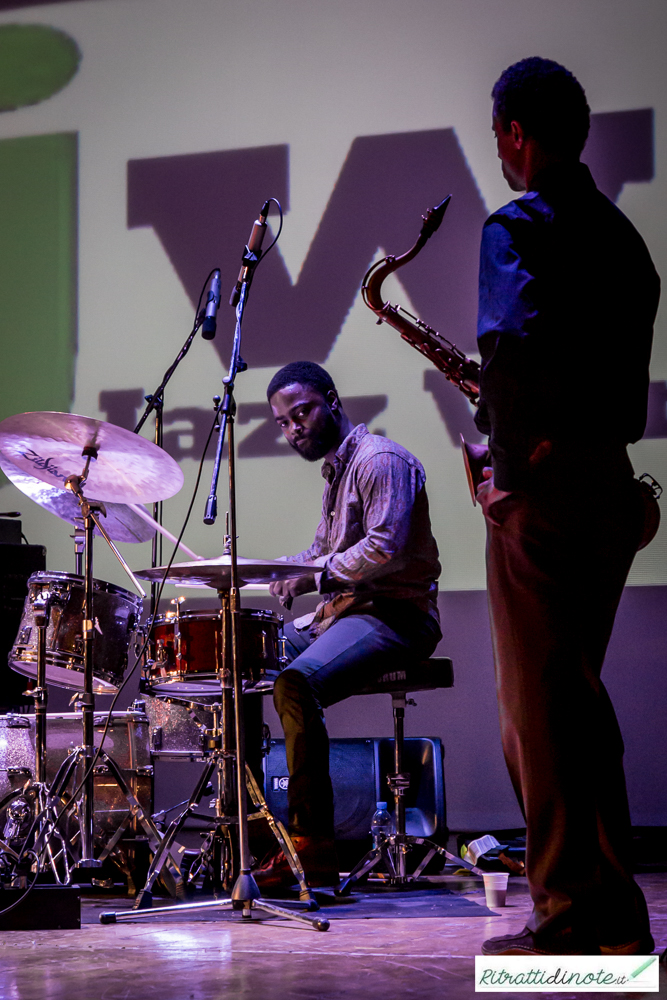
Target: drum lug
column 266, row 740
column 13, row 721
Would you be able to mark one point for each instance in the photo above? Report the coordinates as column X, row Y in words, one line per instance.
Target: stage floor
column 195, row 959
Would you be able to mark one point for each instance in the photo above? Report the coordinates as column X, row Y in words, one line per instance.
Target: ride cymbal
column 127, row 468
column 216, row 573
column 122, row 524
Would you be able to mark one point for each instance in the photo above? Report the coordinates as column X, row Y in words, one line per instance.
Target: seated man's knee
column 290, row 686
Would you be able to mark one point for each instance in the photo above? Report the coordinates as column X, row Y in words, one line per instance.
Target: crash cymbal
column 122, row 523
column 215, row 573
column 127, row 469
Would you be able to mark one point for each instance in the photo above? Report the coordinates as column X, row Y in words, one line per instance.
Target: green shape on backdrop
column 38, row 257
column 35, row 62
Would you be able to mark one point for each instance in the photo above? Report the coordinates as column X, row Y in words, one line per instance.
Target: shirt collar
column 566, row 177
column 345, row 452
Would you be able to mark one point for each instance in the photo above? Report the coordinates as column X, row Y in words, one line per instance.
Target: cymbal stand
column 35, row 794
column 90, row 511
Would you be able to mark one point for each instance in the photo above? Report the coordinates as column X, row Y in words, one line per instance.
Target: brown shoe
column 640, row 946
column 318, row 860
column 528, row 943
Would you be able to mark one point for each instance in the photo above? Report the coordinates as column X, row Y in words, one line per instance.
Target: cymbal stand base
column 245, row 890
column 57, row 861
column 67, row 770
column 318, row 923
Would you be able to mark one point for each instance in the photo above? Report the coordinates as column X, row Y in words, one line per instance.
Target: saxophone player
column 567, row 293
column 379, row 591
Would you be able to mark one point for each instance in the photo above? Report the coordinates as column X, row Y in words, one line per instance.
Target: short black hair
column 305, row 373
column 547, row 101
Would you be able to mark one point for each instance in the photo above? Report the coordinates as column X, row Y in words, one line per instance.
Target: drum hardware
column 35, row 801
column 135, row 809
column 144, row 473
column 119, row 466
column 215, row 854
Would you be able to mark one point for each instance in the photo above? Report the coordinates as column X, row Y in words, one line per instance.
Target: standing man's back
column 568, row 296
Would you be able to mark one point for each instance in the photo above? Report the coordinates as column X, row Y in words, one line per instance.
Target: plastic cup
column 495, row 888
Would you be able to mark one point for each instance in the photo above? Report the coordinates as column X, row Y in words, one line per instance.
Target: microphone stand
column 155, row 403
column 245, row 893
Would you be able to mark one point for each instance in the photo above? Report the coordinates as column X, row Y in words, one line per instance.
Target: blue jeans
column 353, row 652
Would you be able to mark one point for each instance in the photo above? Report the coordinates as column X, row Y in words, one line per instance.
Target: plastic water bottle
column 381, row 824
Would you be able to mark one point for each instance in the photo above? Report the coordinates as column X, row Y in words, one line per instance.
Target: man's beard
column 319, row 443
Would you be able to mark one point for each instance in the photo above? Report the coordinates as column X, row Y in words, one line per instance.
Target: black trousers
column 557, row 564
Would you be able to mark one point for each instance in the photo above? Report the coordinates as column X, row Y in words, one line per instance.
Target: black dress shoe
column 528, row 943
column 318, row 860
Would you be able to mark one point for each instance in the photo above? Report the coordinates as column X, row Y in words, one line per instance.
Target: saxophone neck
column 371, row 287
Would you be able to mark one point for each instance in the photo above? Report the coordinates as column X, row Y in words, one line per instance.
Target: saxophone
column 447, row 358
column 462, row 371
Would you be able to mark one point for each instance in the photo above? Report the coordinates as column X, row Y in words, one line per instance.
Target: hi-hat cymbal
column 121, row 522
column 128, row 468
column 216, row 573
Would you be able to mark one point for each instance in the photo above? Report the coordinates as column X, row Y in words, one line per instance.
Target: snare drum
column 187, row 658
column 116, row 613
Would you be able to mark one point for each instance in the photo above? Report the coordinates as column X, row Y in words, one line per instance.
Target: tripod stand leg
column 136, row 809
column 121, row 916
column 381, row 854
column 367, row 863
column 160, row 858
column 424, row 862
column 318, row 923
column 283, row 838
column 49, row 827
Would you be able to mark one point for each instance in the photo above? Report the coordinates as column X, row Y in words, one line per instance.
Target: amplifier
column 359, row 769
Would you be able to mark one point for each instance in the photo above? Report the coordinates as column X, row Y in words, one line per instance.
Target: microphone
column 253, row 252
column 208, row 327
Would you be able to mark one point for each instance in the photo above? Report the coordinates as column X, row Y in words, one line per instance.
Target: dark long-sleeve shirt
column 374, row 538
column 567, row 300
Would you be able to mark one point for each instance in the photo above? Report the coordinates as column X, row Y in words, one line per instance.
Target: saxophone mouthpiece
column 434, row 217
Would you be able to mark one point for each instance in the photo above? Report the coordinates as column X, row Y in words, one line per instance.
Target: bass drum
column 116, row 613
column 187, row 663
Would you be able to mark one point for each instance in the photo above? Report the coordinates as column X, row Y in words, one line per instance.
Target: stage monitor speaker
column 359, row 769
column 17, row 563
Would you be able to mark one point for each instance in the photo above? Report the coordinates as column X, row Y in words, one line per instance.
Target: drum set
column 88, row 636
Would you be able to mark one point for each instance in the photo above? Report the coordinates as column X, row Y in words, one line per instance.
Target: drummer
column 379, row 596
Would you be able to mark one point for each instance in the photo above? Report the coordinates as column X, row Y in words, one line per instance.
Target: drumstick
column 138, row 509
